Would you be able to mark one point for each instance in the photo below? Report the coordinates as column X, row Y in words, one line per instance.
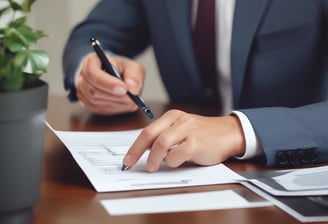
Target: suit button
column 283, row 158
column 309, row 156
column 295, row 158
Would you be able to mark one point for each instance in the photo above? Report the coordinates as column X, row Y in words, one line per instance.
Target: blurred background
column 57, row 18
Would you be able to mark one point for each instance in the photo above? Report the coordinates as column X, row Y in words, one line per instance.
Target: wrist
column 238, row 137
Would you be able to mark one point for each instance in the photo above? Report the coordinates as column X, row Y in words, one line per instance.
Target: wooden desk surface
column 67, row 196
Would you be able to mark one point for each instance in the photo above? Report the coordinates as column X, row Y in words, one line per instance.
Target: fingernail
column 127, row 160
column 119, row 90
column 151, row 167
column 131, row 82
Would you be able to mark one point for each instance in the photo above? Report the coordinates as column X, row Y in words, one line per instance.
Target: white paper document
column 100, row 155
column 315, row 178
column 226, row 199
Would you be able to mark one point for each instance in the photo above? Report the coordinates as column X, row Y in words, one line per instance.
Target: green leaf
column 30, row 35
column 40, row 34
column 15, row 6
column 4, row 10
column 27, row 5
column 36, row 61
column 14, row 40
column 14, row 82
column 12, row 77
column 21, row 37
column 18, row 22
column 20, row 60
column 19, row 65
column 4, row 61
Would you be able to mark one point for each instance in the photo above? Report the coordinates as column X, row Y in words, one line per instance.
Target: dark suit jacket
column 279, row 68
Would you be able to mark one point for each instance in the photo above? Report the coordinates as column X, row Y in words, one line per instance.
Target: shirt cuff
column 78, row 71
column 253, row 147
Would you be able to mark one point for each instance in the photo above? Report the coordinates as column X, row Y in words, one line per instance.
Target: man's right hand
column 105, row 94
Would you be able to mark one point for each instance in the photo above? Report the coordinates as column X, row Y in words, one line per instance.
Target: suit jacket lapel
column 247, row 17
column 179, row 13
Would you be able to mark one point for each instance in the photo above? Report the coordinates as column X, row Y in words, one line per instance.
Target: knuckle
column 94, row 78
column 162, row 142
column 140, row 68
column 171, row 163
column 187, row 118
column 147, row 133
column 174, row 112
column 137, row 66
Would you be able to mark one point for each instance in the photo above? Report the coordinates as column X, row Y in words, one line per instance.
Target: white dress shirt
column 224, row 12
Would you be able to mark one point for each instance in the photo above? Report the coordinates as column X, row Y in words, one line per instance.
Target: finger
column 147, row 137
column 89, row 91
column 103, row 103
column 133, row 73
column 168, row 141
column 102, row 107
column 93, row 73
column 171, row 142
column 179, row 154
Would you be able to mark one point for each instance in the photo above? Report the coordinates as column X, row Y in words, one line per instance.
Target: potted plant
column 23, row 105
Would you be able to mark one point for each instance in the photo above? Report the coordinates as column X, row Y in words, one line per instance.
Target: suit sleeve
column 120, row 26
column 292, row 136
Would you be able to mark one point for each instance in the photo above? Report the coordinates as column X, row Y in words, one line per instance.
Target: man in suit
column 271, row 60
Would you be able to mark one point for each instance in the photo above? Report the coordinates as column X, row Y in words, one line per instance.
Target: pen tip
column 124, row 167
column 150, row 115
column 148, row 112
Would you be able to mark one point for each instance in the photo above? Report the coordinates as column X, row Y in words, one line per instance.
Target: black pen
column 112, row 71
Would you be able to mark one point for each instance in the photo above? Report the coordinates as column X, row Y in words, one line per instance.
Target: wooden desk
column 67, row 196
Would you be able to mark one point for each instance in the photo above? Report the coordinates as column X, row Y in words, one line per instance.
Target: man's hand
column 178, row 137
column 104, row 94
